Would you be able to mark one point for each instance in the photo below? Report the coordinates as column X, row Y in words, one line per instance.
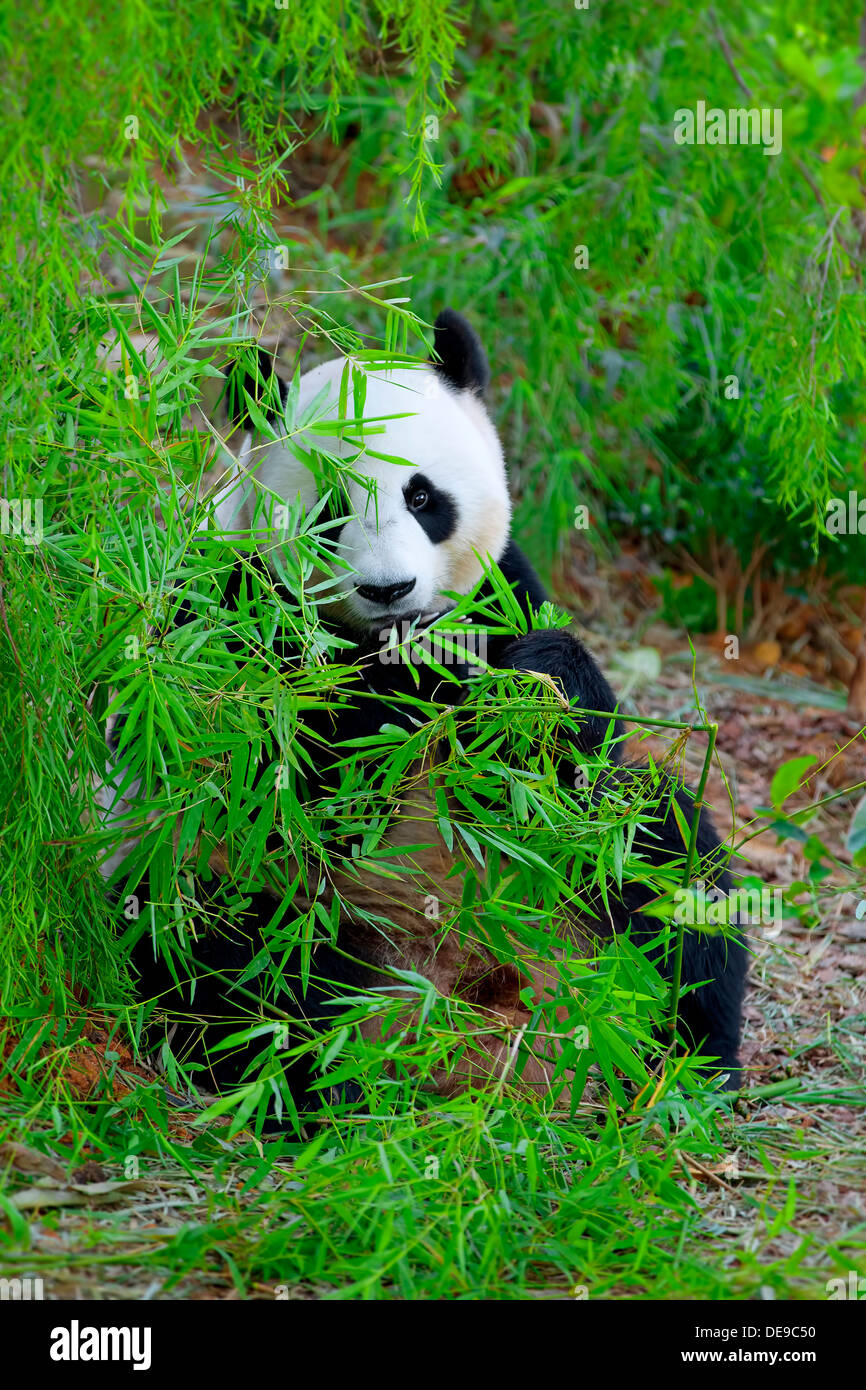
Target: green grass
column 472, row 1199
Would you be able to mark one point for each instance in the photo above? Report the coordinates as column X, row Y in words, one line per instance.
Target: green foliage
column 703, row 261
column 554, row 131
column 54, row 926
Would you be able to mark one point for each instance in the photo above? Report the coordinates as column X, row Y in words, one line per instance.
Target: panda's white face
column 427, row 523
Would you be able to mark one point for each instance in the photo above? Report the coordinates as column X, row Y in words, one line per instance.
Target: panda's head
column 428, row 520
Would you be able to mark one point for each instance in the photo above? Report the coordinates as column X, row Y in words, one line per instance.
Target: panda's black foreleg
column 555, row 653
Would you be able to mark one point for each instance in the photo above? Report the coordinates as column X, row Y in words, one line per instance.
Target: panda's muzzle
column 385, row 594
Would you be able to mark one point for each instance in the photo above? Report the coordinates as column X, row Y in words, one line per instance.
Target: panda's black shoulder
column 260, row 380
column 527, row 586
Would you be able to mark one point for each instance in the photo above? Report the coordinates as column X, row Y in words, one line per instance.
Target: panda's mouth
column 417, row 616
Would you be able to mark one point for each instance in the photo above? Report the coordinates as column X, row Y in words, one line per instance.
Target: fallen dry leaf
column 96, row 1194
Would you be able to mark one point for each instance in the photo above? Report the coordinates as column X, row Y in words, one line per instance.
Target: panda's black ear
column 461, row 358
column 259, row 385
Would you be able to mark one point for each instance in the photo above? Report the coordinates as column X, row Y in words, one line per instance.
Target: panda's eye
column 419, row 499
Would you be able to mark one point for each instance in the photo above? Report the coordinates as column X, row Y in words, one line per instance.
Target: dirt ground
column 805, row 1016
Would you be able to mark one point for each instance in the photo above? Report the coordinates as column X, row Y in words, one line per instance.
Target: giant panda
column 409, row 537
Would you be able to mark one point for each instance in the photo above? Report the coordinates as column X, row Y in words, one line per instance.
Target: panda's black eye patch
column 434, row 510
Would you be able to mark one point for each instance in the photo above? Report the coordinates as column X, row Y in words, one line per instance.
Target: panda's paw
column 561, row 658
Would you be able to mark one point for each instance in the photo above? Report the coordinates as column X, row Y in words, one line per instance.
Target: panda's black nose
column 386, row 593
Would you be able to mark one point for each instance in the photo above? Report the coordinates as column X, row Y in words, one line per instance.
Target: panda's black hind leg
column 221, row 1006
column 710, row 1016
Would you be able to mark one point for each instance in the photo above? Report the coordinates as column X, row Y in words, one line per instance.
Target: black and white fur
column 423, row 531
